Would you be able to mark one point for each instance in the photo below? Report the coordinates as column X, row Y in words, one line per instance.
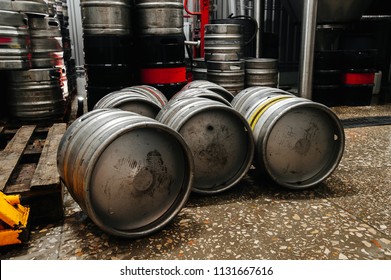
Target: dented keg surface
column 261, row 72
column 228, row 74
column 199, row 69
column 130, row 101
column 129, row 173
column 219, row 137
column 201, row 92
column 299, row 143
column 223, row 42
column 159, row 17
column 102, row 17
column 46, row 42
column 14, row 46
column 35, row 94
column 210, row 86
column 35, row 7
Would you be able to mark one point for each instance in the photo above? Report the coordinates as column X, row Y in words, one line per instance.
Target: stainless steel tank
column 199, row 69
column 219, row 138
column 129, row 173
column 201, row 92
column 131, row 101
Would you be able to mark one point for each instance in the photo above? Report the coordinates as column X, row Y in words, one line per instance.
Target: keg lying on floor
column 299, row 143
column 201, row 92
column 130, row 174
column 210, row 86
column 144, row 100
column 219, row 138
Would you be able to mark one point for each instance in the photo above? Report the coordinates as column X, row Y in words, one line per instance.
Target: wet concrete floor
column 348, row 216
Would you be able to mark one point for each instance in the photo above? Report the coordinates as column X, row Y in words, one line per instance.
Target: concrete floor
column 346, row 217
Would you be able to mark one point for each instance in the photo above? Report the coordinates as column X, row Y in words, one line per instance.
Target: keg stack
column 33, row 59
column 61, row 12
column 224, row 56
column 160, row 44
column 261, row 72
column 108, row 47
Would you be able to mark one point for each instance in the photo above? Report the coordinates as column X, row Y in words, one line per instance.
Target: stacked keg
column 35, row 91
column 108, row 47
column 198, row 68
column 160, row 44
column 224, row 56
column 261, row 72
column 69, row 75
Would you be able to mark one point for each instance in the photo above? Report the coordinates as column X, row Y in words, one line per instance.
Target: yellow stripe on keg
column 262, row 109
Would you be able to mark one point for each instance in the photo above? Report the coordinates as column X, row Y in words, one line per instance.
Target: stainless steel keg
column 46, row 42
column 219, row 137
column 201, row 92
column 14, row 43
column 159, row 17
column 223, row 42
column 261, row 72
column 299, row 143
column 35, row 94
column 199, row 69
column 228, row 74
column 131, row 101
column 106, row 17
column 210, row 86
column 129, row 173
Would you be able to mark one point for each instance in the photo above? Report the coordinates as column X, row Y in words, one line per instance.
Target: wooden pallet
column 28, row 166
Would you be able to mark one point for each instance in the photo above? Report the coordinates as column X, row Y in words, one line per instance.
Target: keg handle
column 193, row 43
column 255, row 25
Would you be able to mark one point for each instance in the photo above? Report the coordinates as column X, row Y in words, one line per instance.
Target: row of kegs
column 133, row 161
column 133, row 42
column 237, row 75
column 35, row 59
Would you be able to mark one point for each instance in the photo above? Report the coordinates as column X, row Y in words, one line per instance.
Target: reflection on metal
column 307, row 48
column 258, row 15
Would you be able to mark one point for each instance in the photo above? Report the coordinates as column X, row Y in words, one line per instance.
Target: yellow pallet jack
column 14, row 220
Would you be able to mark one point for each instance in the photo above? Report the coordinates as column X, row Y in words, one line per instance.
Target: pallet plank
column 12, row 153
column 46, row 174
